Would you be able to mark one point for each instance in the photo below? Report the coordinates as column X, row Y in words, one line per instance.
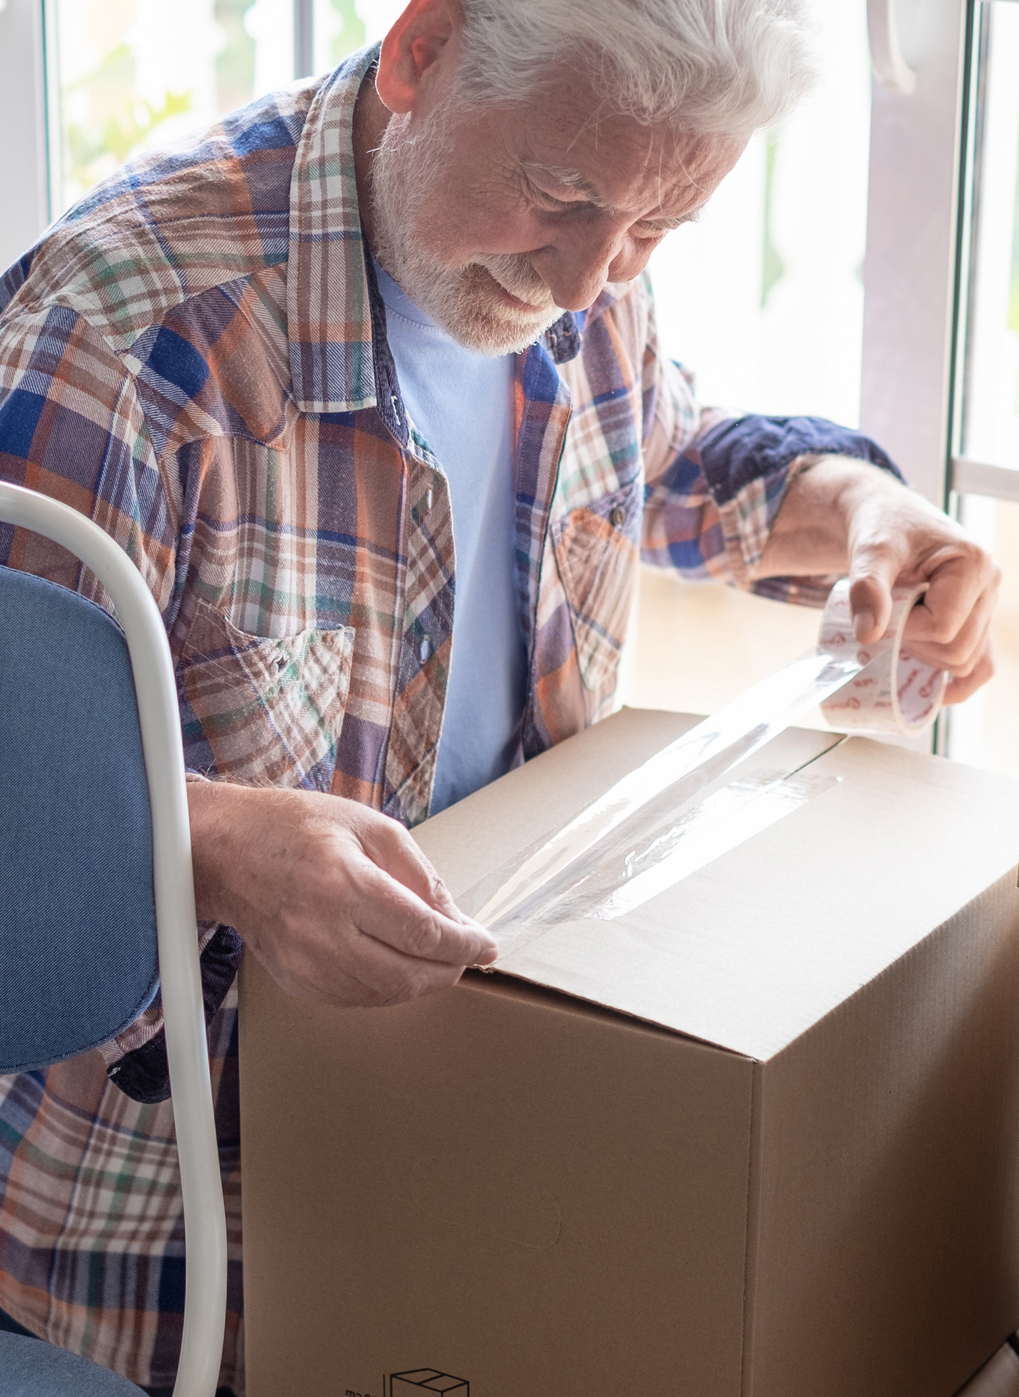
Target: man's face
column 496, row 220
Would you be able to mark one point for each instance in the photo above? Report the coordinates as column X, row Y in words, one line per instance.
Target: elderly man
column 371, row 342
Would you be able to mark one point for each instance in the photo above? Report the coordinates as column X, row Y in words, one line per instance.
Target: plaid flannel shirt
column 195, row 357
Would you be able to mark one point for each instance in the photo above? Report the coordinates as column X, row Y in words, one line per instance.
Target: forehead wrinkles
column 666, row 168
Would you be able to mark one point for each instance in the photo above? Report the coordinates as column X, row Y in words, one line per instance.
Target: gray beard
column 459, row 299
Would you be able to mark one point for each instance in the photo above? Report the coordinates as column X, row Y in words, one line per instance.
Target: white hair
column 725, row 67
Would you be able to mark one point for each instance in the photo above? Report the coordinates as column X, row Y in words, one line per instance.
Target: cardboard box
column 757, row 1138
column 999, row 1378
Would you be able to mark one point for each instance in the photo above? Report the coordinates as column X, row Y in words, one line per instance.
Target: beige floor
column 699, row 645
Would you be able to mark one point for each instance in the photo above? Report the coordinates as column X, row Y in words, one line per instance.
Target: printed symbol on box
column 423, row 1380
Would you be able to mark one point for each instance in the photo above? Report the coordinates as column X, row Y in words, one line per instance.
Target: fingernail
column 488, row 956
column 863, row 622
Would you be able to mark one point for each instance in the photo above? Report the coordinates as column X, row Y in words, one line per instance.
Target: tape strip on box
column 660, row 823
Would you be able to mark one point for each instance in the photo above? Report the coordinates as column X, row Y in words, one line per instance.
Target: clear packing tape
column 686, row 805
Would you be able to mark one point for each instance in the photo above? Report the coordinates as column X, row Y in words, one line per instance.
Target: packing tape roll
column 877, row 688
column 894, row 692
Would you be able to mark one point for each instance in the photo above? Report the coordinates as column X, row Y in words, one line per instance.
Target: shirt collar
column 329, row 309
column 339, row 358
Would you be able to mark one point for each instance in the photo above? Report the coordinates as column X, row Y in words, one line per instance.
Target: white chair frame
column 179, row 970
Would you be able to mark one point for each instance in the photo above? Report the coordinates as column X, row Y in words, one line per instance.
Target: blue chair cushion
column 31, row 1368
column 77, row 921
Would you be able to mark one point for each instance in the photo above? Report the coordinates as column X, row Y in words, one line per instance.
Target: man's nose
column 576, row 267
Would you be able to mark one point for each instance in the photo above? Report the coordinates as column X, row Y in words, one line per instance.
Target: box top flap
column 752, row 949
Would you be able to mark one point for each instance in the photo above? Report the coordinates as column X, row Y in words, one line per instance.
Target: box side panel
column 495, row 1183
column 888, row 1244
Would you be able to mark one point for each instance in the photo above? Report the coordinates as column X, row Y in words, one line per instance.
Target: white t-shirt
column 462, row 404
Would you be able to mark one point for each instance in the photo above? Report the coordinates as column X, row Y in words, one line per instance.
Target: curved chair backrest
column 78, row 959
column 95, row 746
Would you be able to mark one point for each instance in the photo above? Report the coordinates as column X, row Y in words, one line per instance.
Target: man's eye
column 659, row 229
column 550, row 203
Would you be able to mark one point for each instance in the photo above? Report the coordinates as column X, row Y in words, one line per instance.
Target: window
column 129, row 75
column 763, row 299
column 988, row 417
column 23, row 213
column 763, row 296
column 939, row 333
column 985, row 466
column 862, row 262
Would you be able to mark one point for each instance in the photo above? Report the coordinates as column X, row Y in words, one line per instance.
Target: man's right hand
column 335, row 900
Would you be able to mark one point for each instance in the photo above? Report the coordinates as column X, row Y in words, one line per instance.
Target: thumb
column 872, row 574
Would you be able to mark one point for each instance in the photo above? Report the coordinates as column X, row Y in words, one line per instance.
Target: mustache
column 515, row 274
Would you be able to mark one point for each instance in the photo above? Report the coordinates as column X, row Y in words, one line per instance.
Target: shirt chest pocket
column 265, row 712
column 596, row 553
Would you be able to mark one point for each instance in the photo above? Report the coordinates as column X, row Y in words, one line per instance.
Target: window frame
column 912, row 281
column 28, row 73
column 24, row 159
column 968, row 475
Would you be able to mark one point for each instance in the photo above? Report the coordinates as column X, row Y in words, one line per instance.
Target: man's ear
column 416, row 51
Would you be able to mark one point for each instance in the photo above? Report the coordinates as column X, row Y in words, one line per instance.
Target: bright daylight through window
column 762, row 298
column 984, row 730
column 124, row 80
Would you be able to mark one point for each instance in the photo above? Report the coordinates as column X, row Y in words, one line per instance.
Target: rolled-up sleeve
column 715, row 482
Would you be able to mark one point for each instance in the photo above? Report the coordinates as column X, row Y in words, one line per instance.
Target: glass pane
column 378, row 15
column 983, row 731
column 339, row 30
column 763, row 299
column 990, row 399
column 341, row 26
column 763, row 296
column 132, row 75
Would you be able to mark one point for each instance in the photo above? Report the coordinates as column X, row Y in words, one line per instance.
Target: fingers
column 393, row 914
column 959, row 689
column 365, row 939
column 368, row 974
column 390, row 846
column 872, row 574
column 334, row 899
column 960, row 653
column 958, row 581
column 384, row 976
column 904, row 541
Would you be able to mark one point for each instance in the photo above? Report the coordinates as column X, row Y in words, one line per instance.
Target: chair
column 97, row 907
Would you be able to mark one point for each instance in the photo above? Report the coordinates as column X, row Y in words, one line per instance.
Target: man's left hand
column 850, row 517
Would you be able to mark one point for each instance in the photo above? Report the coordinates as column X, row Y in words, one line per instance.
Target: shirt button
column 429, row 497
column 425, row 650
column 618, row 517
